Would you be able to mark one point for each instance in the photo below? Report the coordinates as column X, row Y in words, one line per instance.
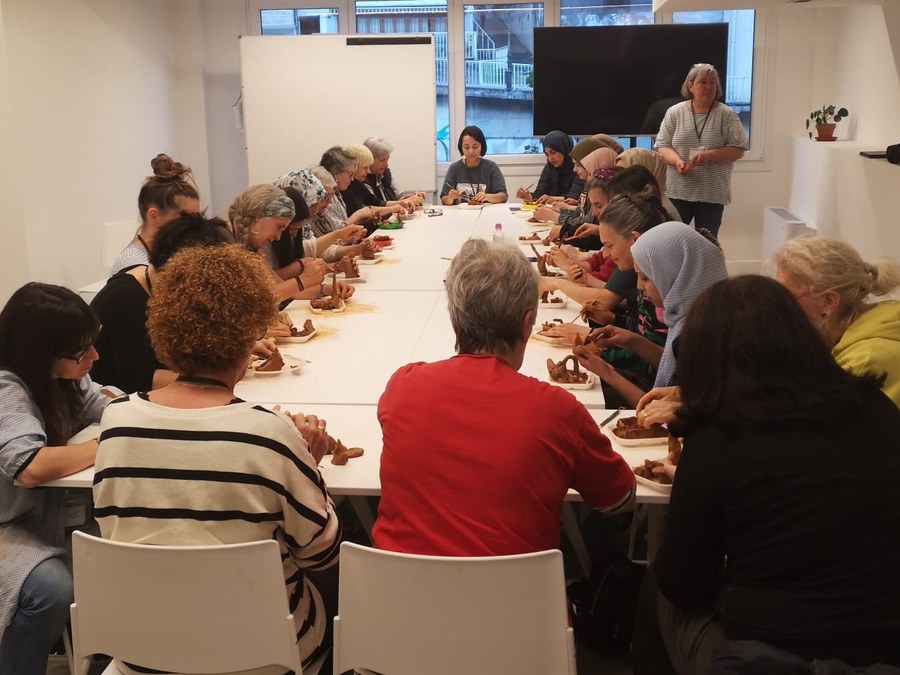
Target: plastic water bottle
column 498, row 232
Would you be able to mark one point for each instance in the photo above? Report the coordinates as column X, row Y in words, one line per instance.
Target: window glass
column 416, row 16
column 499, row 48
column 605, row 12
column 738, row 81
column 298, row 21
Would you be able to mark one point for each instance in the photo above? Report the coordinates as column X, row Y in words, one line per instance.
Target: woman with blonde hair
column 357, row 196
column 190, row 464
column 834, row 285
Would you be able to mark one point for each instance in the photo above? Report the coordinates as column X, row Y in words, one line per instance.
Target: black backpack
column 605, row 603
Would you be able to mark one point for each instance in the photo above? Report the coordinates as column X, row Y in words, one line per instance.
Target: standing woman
column 164, row 196
column 475, row 179
column 674, row 265
column 559, row 171
column 47, row 338
column 701, row 139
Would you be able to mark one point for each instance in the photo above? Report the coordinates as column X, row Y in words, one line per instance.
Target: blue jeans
column 39, row 620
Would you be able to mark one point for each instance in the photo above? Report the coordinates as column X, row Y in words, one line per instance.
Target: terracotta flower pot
column 825, row 132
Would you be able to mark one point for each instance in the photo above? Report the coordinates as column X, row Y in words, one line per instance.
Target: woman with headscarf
column 586, row 167
column 674, row 265
column 299, row 241
column 558, row 173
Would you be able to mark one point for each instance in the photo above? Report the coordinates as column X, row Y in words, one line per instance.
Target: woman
column 380, row 182
column 473, row 178
column 232, row 471
column 357, row 195
column 833, row 285
column 596, row 164
column 777, row 529
column 630, row 353
column 47, row 335
column 558, row 173
column 126, row 359
column 165, row 195
column 701, row 139
column 342, row 166
column 310, row 198
column 258, row 216
column 674, row 265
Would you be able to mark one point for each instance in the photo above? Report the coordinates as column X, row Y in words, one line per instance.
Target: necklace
column 202, row 382
column 143, row 243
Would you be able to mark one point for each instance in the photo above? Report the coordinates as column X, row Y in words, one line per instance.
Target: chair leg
column 70, row 655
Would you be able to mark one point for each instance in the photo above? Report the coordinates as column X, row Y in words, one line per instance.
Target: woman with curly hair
column 199, row 465
column 165, row 195
column 47, row 338
column 258, row 217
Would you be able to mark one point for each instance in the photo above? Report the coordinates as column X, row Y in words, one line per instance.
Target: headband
column 280, row 207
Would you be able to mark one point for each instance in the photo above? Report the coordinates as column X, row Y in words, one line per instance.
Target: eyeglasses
column 79, row 358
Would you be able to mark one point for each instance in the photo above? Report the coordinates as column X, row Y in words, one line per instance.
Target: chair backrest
column 116, row 235
column 403, row 614
column 191, row 609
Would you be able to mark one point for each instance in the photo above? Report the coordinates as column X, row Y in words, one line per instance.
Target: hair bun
column 167, row 168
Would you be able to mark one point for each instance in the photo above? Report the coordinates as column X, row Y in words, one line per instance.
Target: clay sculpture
column 559, row 372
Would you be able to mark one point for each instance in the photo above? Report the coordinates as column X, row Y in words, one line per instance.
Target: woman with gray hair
column 834, row 285
column 489, row 484
column 342, row 166
column 700, row 139
column 380, row 182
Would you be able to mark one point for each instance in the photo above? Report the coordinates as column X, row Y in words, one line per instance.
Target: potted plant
column 822, row 118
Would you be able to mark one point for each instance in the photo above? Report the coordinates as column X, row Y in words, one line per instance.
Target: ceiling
column 687, row 5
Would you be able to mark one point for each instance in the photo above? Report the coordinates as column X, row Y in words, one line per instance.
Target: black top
column 127, row 360
column 357, row 196
column 808, row 519
column 384, row 189
column 556, row 182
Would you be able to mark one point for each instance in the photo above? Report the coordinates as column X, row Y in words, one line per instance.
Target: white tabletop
column 357, row 426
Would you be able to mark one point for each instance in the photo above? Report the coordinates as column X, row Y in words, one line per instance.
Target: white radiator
column 779, row 225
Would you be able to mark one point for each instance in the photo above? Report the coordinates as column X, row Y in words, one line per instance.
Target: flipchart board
column 304, row 94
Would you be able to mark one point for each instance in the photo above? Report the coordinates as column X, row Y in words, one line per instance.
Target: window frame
column 755, row 159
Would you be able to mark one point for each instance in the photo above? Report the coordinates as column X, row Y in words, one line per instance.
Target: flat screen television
column 618, row 80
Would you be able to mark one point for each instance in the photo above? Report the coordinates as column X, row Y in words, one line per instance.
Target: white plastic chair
column 411, row 614
column 116, row 235
column 190, row 609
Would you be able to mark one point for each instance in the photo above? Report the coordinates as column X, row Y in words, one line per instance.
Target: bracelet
column 299, row 284
column 302, row 265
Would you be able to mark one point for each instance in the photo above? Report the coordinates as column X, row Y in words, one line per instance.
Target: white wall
column 13, row 262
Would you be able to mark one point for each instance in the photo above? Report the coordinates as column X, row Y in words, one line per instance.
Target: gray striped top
column 719, row 128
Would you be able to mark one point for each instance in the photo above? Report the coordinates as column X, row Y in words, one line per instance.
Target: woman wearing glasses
column 701, row 139
column 47, row 338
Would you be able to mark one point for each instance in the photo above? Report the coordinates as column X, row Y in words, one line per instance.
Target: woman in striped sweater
column 191, row 464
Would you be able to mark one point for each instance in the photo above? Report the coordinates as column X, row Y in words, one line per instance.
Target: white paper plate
column 291, row 365
column 335, row 311
column 389, row 247
column 296, row 340
column 635, row 442
column 537, row 223
column 592, row 379
column 653, row 485
column 376, row 260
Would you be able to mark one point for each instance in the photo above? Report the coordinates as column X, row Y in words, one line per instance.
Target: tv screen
column 618, row 80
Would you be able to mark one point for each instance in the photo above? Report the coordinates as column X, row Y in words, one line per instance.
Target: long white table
column 399, row 315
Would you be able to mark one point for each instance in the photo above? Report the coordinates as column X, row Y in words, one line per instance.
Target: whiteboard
column 303, row 94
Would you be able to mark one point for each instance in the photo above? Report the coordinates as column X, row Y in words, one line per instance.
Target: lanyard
column 699, row 131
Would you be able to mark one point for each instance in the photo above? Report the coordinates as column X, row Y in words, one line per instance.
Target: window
column 484, row 53
column 499, row 48
column 605, row 12
column 298, row 21
column 416, row 16
column 738, row 81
